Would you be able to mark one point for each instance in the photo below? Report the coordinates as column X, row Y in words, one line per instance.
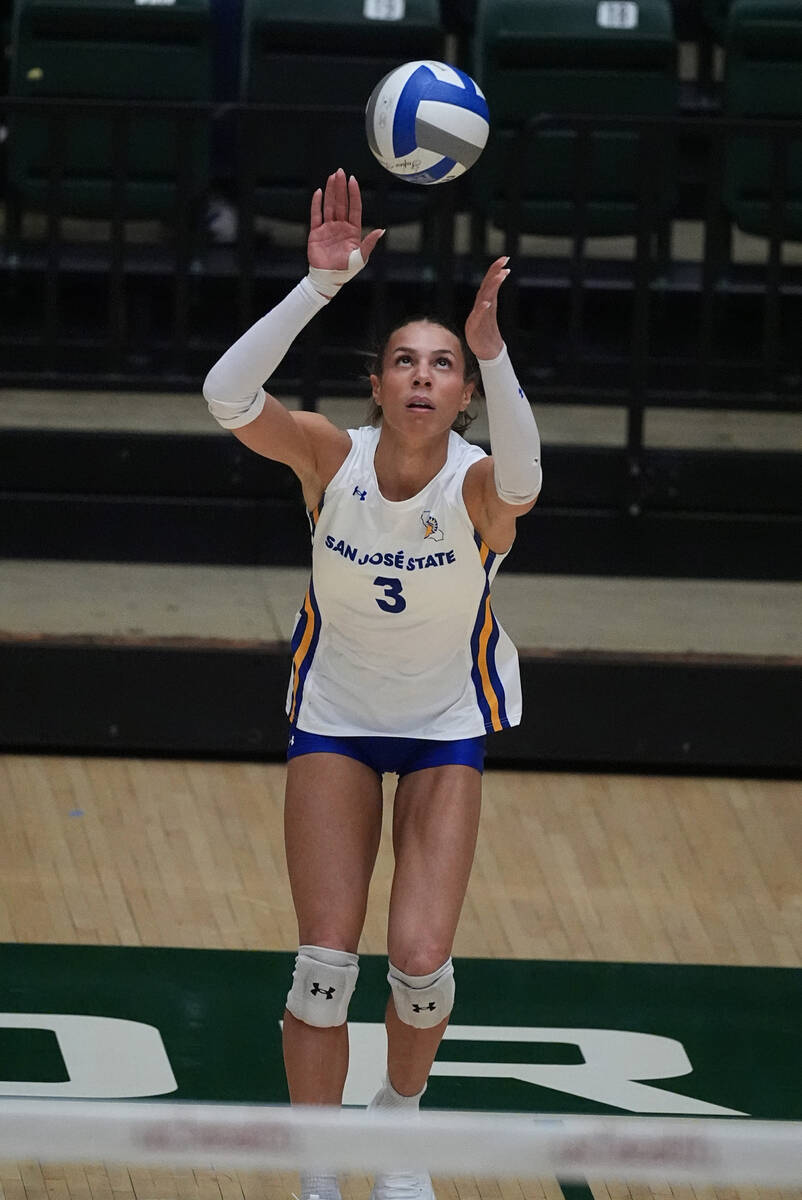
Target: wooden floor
column 593, row 867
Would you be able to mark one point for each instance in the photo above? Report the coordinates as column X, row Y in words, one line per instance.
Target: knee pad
column 323, row 983
column 423, row 1000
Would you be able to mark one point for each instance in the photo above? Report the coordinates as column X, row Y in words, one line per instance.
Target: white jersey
column 396, row 636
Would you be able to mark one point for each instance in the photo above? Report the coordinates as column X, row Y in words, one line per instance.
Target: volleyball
column 427, row 122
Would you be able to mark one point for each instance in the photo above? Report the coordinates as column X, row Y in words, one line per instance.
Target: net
column 702, row 1152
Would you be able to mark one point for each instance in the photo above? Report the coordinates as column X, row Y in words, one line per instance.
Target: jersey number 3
column 393, row 600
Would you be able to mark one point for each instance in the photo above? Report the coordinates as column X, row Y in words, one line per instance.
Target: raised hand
column 481, row 328
column 335, row 226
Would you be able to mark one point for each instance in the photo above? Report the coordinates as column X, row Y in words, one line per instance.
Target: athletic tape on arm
column 233, row 388
column 330, row 282
column 514, row 436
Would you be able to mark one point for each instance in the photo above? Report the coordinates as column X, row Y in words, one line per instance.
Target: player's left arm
column 499, row 489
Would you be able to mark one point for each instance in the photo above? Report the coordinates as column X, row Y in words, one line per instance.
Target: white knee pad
column 423, row 1000
column 323, row 983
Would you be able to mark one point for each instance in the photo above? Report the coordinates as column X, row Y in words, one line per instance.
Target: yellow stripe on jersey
column 483, row 640
column 302, row 651
column 487, row 686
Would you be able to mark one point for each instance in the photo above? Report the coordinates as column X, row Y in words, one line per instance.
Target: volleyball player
column 399, row 664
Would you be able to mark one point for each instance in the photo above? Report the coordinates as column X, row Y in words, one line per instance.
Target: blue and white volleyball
column 427, row 122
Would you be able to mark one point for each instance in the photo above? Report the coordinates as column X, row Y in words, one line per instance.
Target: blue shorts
column 395, row 754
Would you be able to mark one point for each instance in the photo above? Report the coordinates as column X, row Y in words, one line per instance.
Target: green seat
column 763, row 79
column 715, row 13
column 306, row 53
column 109, row 50
column 554, row 56
column 5, row 34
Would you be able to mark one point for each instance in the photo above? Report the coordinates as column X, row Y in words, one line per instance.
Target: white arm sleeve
column 514, row 437
column 233, row 388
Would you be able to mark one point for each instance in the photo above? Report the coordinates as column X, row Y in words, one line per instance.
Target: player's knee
column 423, row 1000
column 323, row 983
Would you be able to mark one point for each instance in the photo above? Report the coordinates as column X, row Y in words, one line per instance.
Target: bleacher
column 79, row 50
column 559, row 59
column 644, row 172
column 288, row 57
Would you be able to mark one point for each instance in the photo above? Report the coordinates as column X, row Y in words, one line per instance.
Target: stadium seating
column 561, row 57
column 109, row 50
column 715, row 14
column 763, row 79
column 305, row 53
column 5, row 36
column 5, row 58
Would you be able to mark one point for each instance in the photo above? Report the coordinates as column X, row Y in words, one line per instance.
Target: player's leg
column 332, row 828
column 435, row 825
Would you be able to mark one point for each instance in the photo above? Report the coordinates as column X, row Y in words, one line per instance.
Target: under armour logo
column 317, row 990
column 357, row 492
column 430, row 1007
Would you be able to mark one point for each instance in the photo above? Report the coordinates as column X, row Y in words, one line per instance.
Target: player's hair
column 471, row 373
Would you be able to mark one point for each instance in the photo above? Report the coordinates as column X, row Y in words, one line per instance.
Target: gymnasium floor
column 614, row 868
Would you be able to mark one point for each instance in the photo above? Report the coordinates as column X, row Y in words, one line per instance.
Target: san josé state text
column 396, row 558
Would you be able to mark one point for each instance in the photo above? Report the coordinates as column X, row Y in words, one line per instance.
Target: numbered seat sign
column 615, row 14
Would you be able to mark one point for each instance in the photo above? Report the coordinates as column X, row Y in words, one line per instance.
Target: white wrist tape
column 233, row 388
column 514, row 437
column 330, row 282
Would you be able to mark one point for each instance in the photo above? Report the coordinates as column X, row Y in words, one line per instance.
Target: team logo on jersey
column 430, row 524
column 359, row 492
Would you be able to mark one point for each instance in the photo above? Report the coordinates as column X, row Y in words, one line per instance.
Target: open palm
column 481, row 328
column 335, row 226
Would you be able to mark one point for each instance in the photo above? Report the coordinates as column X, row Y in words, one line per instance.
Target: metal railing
column 114, row 311
column 701, row 374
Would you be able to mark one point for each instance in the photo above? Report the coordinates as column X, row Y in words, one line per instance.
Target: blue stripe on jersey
column 487, row 556
column 313, row 515
column 495, row 678
column 303, row 646
column 476, row 675
column 489, row 689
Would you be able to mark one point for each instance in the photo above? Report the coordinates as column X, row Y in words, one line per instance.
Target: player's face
column 422, row 386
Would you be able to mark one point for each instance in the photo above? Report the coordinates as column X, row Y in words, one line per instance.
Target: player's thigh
column 332, row 828
column 435, row 825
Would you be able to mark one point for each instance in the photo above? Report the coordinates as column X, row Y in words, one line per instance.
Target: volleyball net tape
column 715, row 1151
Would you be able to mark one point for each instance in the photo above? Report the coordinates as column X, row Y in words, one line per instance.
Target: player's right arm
column 233, row 389
column 306, row 441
